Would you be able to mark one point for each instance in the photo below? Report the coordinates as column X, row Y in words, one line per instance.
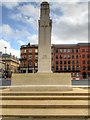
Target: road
column 81, row 82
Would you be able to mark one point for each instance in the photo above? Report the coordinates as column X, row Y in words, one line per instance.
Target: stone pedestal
column 41, row 82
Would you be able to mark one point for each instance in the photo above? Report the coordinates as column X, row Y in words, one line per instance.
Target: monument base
column 41, row 81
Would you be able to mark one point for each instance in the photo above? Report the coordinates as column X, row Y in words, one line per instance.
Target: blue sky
column 19, row 23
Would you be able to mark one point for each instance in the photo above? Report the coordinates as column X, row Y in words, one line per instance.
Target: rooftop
column 58, row 45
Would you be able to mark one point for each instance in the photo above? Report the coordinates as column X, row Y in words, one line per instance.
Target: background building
column 72, row 58
column 11, row 62
column 2, row 64
column 29, row 58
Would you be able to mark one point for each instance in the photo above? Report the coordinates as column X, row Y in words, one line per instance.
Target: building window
column 36, row 64
column 88, row 74
column 60, row 50
column 88, row 62
column 24, row 63
column 68, row 50
column 60, row 62
column 68, row 56
column 30, row 51
column 30, row 63
column 77, row 62
column 73, row 74
column 56, row 56
column 24, row 56
column 88, row 67
column 72, row 50
column 56, row 68
column 77, row 67
column 68, row 62
column 76, row 56
column 65, row 68
column 72, row 56
column 68, row 67
column 88, row 55
column 60, row 56
column 36, row 56
column 24, row 50
column 56, row 50
column 73, row 62
column 36, row 50
column 76, row 50
column 30, row 56
column 83, row 50
column 77, row 74
column 84, row 67
column 73, row 68
column 64, row 50
column 64, row 62
column 56, row 62
column 60, row 67
column 64, row 56
column 83, row 56
column 83, row 62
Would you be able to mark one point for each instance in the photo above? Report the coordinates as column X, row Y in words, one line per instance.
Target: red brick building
column 73, row 58
column 29, row 58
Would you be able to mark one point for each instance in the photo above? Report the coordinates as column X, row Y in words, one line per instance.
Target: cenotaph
column 44, row 79
column 44, row 48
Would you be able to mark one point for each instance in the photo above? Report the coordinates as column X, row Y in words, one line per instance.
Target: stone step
column 44, row 104
column 44, row 97
column 37, row 112
column 46, row 118
column 43, row 93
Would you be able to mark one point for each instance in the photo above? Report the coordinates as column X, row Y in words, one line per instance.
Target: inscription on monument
column 44, row 56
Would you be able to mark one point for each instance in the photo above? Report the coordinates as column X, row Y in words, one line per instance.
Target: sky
column 19, row 23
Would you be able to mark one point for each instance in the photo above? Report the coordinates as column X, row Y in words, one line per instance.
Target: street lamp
column 5, row 61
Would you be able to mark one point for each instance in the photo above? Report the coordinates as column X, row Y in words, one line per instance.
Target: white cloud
column 33, row 39
column 29, row 10
column 20, row 42
column 14, row 1
column 17, row 17
column 72, row 24
column 28, row 14
column 13, row 34
column 10, row 5
column 9, row 50
column 6, row 30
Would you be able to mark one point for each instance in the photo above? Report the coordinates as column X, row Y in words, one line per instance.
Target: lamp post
column 5, row 61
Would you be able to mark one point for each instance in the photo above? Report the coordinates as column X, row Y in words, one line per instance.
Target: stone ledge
column 42, row 88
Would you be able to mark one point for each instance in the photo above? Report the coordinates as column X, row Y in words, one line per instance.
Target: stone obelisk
column 44, row 43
